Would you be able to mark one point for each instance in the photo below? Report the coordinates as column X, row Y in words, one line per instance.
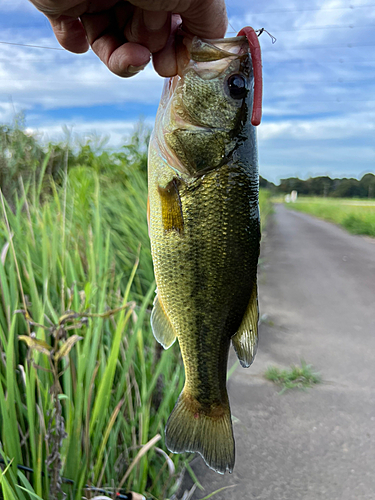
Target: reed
column 85, row 390
column 82, row 382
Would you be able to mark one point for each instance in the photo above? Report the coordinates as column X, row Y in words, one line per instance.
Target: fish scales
column 205, row 232
column 217, row 281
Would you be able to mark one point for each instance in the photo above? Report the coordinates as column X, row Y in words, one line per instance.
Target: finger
column 121, row 57
column 150, row 29
column 51, row 9
column 164, row 61
column 70, row 34
column 205, row 18
column 72, row 8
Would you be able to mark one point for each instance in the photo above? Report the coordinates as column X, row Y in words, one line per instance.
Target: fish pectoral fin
column 245, row 341
column 161, row 326
column 171, row 210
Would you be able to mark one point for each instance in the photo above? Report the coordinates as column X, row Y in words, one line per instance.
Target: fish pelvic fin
column 161, row 326
column 245, row 341
column 208, row 433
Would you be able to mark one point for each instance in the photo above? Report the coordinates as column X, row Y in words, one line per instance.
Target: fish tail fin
column 208, row 433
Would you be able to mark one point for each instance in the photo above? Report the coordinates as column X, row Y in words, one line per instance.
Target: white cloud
column 362, row 124
column 7, row 111
column 58, row 79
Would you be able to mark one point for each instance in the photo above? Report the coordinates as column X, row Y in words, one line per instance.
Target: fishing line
column 234, row 30
column 338, row 101
column 328, row 27
column 309, row 82
column 32, row 46
column 350, row 7
column 315, row 47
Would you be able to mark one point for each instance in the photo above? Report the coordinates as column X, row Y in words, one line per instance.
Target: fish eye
column 237, row 86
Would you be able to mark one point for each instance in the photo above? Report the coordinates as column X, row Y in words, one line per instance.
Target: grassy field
column 355, row 215
column 85, row 390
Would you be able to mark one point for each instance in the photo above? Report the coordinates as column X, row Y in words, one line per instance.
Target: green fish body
column 205, row 233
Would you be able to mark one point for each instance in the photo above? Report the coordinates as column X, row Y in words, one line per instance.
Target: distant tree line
column 25, row 160
column 22, row 156
column 325, row 186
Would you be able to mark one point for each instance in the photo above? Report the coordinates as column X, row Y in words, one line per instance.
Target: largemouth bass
column 205, row 232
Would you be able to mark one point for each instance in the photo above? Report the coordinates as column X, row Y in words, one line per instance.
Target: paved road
column 317, row 299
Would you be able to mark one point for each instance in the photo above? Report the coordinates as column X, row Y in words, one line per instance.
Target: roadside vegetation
column 85, row 390
column 355, row 215
column 295, row 377
column 265, row 206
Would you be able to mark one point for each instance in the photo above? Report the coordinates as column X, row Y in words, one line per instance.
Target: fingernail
column 155, row 20
column 136, row 69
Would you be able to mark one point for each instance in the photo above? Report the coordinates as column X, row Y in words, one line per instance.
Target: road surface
column 317, row 302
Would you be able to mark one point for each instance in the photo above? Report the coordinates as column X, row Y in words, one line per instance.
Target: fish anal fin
column 161, row 326
column 245, row 341
column 208, row 433
column 171, row 210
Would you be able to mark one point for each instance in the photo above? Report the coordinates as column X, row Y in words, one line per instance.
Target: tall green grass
column 85, row 391
column 357, row 216
column 82, row 381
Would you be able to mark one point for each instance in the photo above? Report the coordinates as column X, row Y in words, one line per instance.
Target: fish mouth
column 200, row 50
column 208, row 59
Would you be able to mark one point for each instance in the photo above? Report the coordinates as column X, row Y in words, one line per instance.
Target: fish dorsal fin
column 161, row 326
column 245, row 341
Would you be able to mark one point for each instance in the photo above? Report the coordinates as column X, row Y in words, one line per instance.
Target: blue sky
column 319, row 84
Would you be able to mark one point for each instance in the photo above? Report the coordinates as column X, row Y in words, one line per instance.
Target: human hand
column 124, row 34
